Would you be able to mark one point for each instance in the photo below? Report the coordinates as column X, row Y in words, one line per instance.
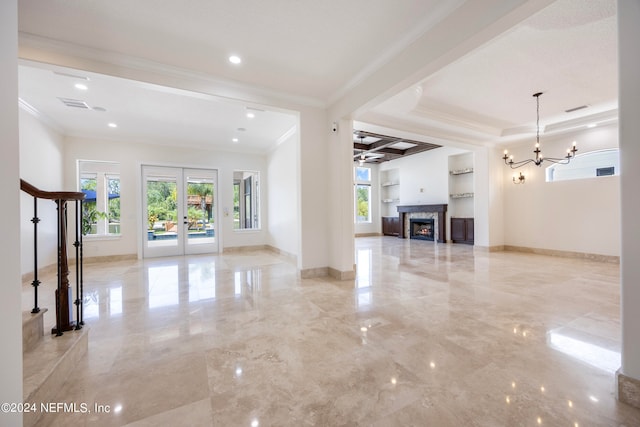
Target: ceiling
column 568, row 51
column 148, row 113
column 318, row 51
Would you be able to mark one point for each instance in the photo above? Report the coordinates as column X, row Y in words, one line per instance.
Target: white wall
column 578, row 215
column 131, row 156
column 10, row 291
column 424, row 177
column 282, row 195
column 41, row 157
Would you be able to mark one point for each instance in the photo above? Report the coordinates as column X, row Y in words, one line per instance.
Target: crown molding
column 601, row 118
column 51, row 51
column 431, row 134
column 456, row 121
column 48, row 121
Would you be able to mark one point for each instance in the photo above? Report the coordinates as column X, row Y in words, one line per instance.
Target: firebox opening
column 421, row 228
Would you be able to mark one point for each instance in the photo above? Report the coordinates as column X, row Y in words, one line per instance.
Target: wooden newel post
column 64, row 299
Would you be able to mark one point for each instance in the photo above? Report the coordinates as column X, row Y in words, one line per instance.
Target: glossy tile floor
column 428, row 335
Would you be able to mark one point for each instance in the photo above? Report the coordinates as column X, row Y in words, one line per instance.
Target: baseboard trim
column 27, row 278
column 627, row 389
column 488, row 249
column 368, row 234
column 251, row 248
column 106, row 258
column 565, row 254
column 342, row 275
column 312, row 273
column 292, row 257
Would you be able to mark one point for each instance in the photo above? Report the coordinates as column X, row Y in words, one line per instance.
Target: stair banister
column 64, row 300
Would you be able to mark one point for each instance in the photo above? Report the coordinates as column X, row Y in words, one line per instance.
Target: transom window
column 588, row 165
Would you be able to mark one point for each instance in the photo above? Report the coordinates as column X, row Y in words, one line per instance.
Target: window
column 100, row 181
column 587, row 165
column 362, row 194
column 246, row 200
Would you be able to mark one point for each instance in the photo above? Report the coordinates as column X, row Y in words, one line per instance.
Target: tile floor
column 427, row 335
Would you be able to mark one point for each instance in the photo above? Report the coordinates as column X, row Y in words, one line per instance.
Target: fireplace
column 421, row 228
column 437, row 213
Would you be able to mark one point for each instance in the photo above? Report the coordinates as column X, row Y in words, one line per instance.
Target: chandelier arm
column 563, row 161
column 516, row 165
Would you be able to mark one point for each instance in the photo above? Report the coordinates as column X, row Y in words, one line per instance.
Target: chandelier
column 571, row 152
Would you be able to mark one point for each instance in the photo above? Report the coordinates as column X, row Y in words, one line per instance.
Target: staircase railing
column 64, row 294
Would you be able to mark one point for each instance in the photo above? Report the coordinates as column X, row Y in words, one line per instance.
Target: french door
column 179, row 211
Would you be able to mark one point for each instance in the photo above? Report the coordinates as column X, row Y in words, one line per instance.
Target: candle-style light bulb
column 505, row 152
column 574, row 143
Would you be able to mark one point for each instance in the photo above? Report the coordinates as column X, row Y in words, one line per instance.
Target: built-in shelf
column 461, row 171
column 461, row 195
column 389, row 192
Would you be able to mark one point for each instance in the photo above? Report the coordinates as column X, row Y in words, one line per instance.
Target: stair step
column 32, row 329
column 47, row 367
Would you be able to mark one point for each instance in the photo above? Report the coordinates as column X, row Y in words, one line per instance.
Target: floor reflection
column 424, row 335
column 595, row 355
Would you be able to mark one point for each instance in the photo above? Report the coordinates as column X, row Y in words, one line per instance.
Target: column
column 10, row 291
column 628, row 377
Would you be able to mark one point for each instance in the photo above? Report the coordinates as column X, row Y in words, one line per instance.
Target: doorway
column 179, row 211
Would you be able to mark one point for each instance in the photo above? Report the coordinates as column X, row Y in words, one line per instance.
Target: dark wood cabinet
column 462, row 230
column 391, row 225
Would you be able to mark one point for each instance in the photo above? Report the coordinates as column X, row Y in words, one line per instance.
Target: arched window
column 587, row 165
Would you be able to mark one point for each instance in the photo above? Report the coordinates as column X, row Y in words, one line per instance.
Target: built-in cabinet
column 390, row 199
column 461, row 192
column 462, row 230
column 391, row 225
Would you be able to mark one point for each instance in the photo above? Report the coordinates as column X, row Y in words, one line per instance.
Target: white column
column 341, row 220
column 313, row 173
column 10, row 291
column 629, row 125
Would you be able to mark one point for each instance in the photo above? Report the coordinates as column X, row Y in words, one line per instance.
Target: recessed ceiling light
column 234, row 59
column 251, row 115
column 592, row 125
column 113, row 125
column 235, row 139
column 81, row 86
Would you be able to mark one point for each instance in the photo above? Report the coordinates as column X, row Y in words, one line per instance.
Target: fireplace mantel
column 440, row 210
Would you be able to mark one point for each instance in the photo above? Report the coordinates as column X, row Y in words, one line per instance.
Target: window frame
column 550, row 171
column 246, row 201
column 364, row 184
column 102, row 172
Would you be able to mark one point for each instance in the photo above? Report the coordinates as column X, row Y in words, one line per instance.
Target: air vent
column 73, row 76
column 75, row 103
column 571, row 110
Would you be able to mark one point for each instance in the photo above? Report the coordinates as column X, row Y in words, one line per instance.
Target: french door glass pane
column 200, row 210
column 162, row 211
